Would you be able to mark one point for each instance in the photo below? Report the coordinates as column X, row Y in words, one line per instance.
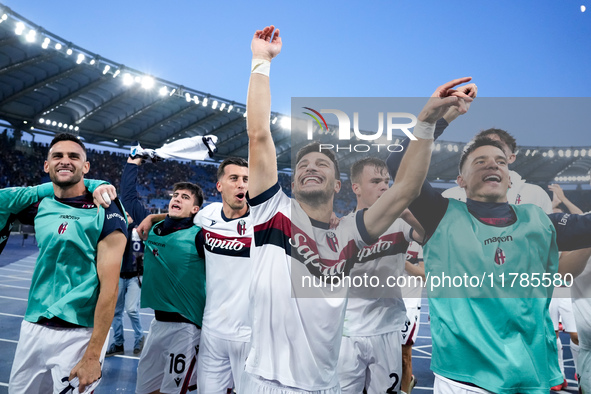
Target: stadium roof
column 49, row 85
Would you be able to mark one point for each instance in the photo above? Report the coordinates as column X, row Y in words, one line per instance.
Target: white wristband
column 424, row 130
column 260, row 66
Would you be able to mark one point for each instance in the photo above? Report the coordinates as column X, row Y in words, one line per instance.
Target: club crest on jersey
column 518, row 199
column 332, row 241
column 155, row 252
column 500, row 257
column 62, row 228
column 241, row 228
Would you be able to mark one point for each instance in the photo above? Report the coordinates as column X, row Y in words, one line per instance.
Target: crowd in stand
column 23, row 166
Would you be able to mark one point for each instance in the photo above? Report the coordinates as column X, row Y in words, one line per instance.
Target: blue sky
column 352, row 49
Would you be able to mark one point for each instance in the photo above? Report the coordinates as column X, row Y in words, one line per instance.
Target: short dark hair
column 238, row 161
column 67, row 137
column 193, row 188
column 507, row 138
column 315, row 147
column 477, row 143
column 359, row 165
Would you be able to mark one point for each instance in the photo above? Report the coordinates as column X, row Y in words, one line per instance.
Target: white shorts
column 251, row 384
column 373, row 362
column 408, row 335
column 168, row 361
column 221, row 364
column 447, row 386
column 584, row 370
column 561, row 309
column 45, row 356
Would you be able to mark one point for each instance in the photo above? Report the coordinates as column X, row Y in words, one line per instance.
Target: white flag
column 194, row 148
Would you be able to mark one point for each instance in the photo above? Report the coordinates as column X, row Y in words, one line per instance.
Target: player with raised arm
column 295, row 341
column 173, row 285
column 64, row 333
column 501, row 346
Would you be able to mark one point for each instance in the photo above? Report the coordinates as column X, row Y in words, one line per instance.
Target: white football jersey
column 367, row 314
column 297, row 327
column 520, row 192
column 227, row 269
column 581, row 295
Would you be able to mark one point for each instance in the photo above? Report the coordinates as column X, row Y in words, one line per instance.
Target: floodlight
column 41, row 120
column 69, row 51
column 230, row 108
column 163, row 91
column 92, row 62
column 80, row 58
column 58, row 46
column 214, row 105
column 117, row 72
column 76, row 128
column 54, row 123
column 222, row 106
column 71, row 127
column 106, row 70
column 568, row 153
column 187, row 97
column 4, row 17
column 147, row 82
column 285, row 122
column 172, row 92
column 274, row 120
column 31, row 35
column 127, row 79
column 196, row 99
column 20, row 26
column 205, row 101
column 550, row 153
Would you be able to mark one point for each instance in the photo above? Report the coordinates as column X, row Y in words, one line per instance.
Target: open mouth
column 64, row 171
column 492, row 178
column 240, row 196
column 311, row 180
column 175, row 206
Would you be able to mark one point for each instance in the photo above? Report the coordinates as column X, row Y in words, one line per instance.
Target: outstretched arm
column 262, row 158
column 129, row 194
column 415, row 163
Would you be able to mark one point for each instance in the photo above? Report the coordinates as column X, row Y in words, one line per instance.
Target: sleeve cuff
column 264, row 196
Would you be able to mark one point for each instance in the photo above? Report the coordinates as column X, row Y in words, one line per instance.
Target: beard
column 74, row 179
column 313, row 197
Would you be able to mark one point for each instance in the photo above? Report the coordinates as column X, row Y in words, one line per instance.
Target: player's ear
column 461, row 182
column 355, row 187
column 511, row 158
column 194, row 209
column 86, row 167
column 337, row 186
column 218, row 186
column 46, row 167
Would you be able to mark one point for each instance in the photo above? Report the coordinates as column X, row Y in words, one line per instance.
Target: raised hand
column 452, row 113
column 266, row 43
column 557, row 194
column 446, row 97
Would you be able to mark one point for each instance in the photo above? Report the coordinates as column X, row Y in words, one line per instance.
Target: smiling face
column 315, row 179
column 370, row 185
column 66, row 164
column 183, row 204
column 233, row 186
column 485, row 175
